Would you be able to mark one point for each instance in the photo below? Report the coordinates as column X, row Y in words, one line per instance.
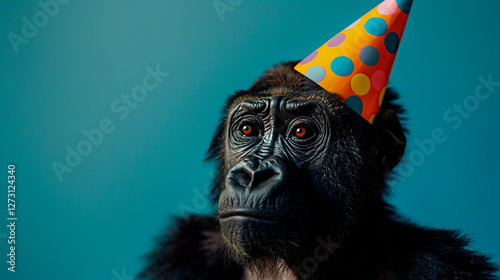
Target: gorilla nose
column 248, row 176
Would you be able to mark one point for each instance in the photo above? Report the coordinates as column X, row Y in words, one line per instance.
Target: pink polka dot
column 309, row 58
column 352, row 24
column 388, row 7
column 337, row 40
column 379, row 79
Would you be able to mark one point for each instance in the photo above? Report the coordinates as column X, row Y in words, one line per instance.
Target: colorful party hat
column 357, row 62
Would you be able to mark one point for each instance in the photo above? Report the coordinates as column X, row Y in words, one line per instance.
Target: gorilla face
column 279, row 148
column 295, row 163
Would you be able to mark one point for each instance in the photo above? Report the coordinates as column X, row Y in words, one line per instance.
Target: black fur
column 191, row 249
column 372, row 242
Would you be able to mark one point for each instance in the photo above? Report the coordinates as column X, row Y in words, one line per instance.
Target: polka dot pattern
column 337, row 40
column 369, row 55
column 356, row 63
column 388, row 7
column 381, row 96
column 379, row 79
column 360, row 84
column 316, row 73
column 353, row 24
column 391, row 42
column 372, row 118
column 342, row 66
column 404, row 5
column 376, row 26
column 354, row 103
column 309, row 58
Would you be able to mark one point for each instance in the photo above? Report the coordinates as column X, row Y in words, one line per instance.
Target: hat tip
column 404, row 5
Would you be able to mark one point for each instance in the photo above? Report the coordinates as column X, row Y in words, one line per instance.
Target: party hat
column 357, row 62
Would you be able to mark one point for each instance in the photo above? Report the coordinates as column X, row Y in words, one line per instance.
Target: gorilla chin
column 254, row 238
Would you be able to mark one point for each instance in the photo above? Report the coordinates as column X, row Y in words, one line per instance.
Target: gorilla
column 300, row 189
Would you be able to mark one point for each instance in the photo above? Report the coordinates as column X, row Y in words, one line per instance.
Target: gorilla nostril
column 262, row 176
column 246, row 177
column 242, row 177
column 256, row 173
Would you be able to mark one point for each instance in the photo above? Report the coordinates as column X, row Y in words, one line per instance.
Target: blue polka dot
column 404, row 5
column 376, row 26
column 391, row 42
column 354, row 103
column 316, row 73
column 369, row 55
column 342, row 66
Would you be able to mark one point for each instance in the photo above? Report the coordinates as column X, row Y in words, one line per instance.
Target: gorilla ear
column 389, row 139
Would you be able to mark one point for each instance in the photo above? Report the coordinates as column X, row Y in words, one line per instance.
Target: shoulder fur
column 191, row 249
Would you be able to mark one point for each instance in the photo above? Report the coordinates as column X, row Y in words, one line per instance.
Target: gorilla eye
column 248, row 129
column 300, row 132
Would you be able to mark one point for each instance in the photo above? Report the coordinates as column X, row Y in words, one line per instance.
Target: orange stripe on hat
column 357, row 62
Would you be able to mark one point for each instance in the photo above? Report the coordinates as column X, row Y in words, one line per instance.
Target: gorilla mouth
column 249, row 214
column 255, row 234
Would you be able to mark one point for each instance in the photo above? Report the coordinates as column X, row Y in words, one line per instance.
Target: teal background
column 102, row 217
